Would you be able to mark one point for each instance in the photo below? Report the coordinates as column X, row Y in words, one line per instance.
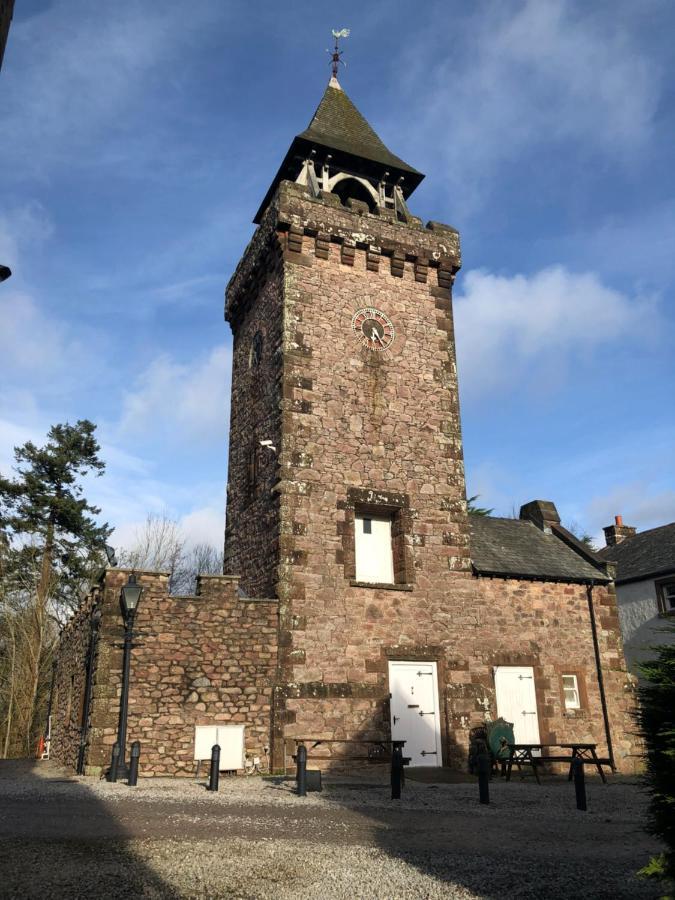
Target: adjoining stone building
column 386, row 610
column 644, row 564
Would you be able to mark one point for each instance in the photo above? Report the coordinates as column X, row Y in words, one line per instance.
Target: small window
column 69, row 703
column 666, row 594
column 374, row 554
column 571, row 692
column 256, row 351
column 253, row 468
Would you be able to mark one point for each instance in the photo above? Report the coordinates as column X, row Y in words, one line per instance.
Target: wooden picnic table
column 386, row 745
column 534, row 755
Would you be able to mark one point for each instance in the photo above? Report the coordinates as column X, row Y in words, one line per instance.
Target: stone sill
column 381, row 586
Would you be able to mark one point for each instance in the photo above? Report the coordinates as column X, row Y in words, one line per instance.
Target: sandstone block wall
column 362, row 431
column 252, row 520
column 202, row 660
column 68, row 699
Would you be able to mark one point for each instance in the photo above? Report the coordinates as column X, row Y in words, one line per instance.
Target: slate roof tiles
column 647, row 554
column 518, row 548
column 339, row 125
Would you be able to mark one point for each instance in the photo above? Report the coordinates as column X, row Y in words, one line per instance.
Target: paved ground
column 62, row 836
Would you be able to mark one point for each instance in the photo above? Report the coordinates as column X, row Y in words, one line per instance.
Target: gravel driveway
column 63, row 836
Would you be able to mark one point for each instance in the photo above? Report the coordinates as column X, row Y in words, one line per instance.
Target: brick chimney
column 542, row 512
column 618, row 532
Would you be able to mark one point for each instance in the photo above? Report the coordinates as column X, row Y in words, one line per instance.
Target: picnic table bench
column 534, row 755
column 384, row 745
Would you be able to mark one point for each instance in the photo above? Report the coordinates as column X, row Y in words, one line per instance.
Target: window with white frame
column 373, row 549
column 666, row 591
column 571, row 692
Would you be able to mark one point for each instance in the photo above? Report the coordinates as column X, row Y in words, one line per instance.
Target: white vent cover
column 231, row 740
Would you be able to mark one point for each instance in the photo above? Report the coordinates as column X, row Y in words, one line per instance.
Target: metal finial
column 336, row 53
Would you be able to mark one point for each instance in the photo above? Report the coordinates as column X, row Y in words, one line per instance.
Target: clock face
column 373, row 328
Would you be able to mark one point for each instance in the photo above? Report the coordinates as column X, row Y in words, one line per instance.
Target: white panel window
column 571, row 692
column 374, row 556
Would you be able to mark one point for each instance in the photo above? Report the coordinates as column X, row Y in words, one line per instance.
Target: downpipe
column 598, row 667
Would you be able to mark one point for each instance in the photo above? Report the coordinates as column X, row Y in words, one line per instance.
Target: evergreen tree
column 657, row 724
column 474, row 510
column 50, row 544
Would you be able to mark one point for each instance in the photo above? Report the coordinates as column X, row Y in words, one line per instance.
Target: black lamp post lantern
column 129, row 598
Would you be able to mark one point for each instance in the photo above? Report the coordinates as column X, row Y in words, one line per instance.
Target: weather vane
column 335, row 52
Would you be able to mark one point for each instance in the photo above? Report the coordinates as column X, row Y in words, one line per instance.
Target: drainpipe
column 84, row 727
column 598, row 667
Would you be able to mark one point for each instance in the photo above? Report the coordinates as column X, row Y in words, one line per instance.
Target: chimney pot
column 618, row 520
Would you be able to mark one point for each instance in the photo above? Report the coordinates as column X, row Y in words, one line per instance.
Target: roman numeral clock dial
column 373, row 329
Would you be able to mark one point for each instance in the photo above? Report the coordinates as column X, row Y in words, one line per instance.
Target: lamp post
column 129, row 597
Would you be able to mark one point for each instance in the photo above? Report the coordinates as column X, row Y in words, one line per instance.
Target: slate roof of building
column 339, row 125
column 644, row 555
column 518, row 548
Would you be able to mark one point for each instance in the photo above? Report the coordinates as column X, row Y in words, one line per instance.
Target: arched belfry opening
column 349, row 188
column 340, row 154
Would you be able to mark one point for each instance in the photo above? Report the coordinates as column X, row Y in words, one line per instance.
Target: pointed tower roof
column 339, row 128
column 338, row 125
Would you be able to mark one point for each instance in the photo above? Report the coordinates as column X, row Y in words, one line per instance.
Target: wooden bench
column 534, row 755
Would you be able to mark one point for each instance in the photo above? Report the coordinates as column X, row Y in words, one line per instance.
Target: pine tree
column 474, row 510
column 656, row 716
column 50, row 538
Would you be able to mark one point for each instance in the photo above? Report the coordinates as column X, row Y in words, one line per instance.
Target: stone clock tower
column 346, row 496
column 360, row 603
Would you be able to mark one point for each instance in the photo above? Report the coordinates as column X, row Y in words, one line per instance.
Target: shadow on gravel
column 58, row 840
column 530, row 842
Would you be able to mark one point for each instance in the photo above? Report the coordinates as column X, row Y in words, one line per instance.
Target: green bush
column 656, row 717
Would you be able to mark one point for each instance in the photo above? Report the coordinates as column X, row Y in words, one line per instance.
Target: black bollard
column 396, row 770
column 133, row 763
column 214, row 774
column 484, row 767
column 579, row 783
column 301, row 772
column 114, row 763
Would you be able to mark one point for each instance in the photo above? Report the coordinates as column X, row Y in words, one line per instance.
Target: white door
column 415, row 711
column 517, row 701
column 374, row 557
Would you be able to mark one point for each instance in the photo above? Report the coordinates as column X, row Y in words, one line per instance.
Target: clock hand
column 374, row 336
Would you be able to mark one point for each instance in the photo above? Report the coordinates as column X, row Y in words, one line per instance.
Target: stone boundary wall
column 68, row 699
column 201, row 660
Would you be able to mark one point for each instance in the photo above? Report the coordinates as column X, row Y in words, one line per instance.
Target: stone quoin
column 361, row 600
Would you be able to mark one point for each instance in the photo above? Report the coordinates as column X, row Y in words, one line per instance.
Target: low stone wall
column 206, row 659
column 68, row 699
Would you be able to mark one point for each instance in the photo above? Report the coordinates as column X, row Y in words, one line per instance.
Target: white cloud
column 186, row 402
column 640, row 504
column 31, row 341
column 205, row 525
column 516, row 76
column 28, row 225
column 517, row 328
column 76, row 73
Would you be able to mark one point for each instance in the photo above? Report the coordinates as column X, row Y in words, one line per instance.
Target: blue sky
column 138, row 139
